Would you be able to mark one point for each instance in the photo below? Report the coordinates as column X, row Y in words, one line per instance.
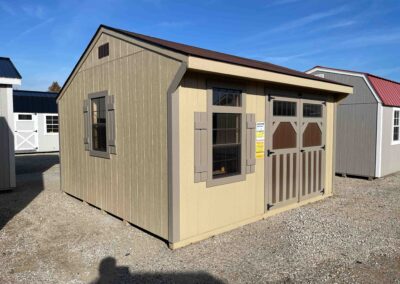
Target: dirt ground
column 50, row 237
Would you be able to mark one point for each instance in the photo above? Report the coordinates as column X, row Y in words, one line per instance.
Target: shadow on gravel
column 109, row 272
column 35, row 163
column 30, row 183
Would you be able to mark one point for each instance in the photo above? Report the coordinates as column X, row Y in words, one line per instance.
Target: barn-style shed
column 186, row 142
column 9, row 76
column 368, row 143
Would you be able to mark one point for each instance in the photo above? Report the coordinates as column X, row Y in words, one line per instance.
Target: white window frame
column 45, row 115
column 395, row 142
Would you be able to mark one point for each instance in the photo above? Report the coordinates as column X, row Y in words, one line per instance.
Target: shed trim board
column 379, row 126
column 10, row 81
column 173, row 155
column 394, row 142
column 183, row 84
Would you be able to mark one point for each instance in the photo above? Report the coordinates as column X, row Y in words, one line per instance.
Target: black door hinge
column 269, row 153
column 302, row 150
column 324, row 103
column 270, row 98
column 322, row 191
column 269, row 206
column 323, row 147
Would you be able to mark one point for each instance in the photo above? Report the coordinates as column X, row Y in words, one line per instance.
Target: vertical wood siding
column 356, row 128
column 132, row 184
column 205, row 209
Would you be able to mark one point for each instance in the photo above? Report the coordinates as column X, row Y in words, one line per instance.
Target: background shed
column 368, row 143
column 9, row 76
column 36, row 121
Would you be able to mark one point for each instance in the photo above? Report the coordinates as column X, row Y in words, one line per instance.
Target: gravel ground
column 47, row 236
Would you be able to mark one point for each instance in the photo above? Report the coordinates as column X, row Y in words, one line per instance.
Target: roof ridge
column 218, row 56
column 352, row 71
column 35, row 91
column 382, row 78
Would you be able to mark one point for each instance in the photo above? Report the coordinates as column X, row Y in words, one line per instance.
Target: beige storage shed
column 187, row 143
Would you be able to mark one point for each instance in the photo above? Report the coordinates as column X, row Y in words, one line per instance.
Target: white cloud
column 298, row 23
column 31, row 29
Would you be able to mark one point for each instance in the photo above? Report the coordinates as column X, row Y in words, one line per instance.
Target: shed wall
column 7, row 168
column 133, row 184
column 390, row 153
column 205, row 209
column 48, row 142
column 357, row 117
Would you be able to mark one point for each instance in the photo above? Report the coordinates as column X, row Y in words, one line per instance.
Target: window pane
column 396, row 118
column 226, row 144
column 396, row 133
column 99, row 138
column 226, row 97
column 24, row 117
column 226, row 160
column 312, row 110
column 284, row 108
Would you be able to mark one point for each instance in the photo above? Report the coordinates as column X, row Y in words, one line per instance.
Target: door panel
column 312, row 148
column 296, row 155
column 283, row 158
column 26, row 132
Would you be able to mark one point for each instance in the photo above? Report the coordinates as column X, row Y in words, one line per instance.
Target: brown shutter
column 250, row 143
column 200, row 146
column 111, row 137
column 86, row 124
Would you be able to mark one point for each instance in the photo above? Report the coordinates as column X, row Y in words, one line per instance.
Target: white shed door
column 26, row 131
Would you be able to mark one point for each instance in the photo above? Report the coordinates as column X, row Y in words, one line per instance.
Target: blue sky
column 46, row 38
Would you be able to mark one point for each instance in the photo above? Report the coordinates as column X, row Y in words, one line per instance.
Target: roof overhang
column 206, row 65
column 10, row 81
column 349, row 73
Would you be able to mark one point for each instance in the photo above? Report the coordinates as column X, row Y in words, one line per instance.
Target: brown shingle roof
column 219, row 56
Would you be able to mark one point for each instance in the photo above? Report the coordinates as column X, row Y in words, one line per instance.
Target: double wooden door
column 295, row 148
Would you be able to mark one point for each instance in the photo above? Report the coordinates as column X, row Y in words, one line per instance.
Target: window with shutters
column 396, row 126
column 99, row 124
column 227, row 122
column 51, row 124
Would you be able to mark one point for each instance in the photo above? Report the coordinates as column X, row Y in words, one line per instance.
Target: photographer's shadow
column 109, row 272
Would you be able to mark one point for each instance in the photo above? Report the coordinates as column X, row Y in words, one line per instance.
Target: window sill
column 98, row 154
column 225, row 180
column 395, row 143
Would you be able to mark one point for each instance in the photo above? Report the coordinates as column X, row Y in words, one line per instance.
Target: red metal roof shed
column 387, row 90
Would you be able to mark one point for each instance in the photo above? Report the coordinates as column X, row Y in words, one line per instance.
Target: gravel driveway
column 47, row 236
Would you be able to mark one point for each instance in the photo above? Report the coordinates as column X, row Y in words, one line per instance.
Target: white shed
column 9, row 76
column 35, row 121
